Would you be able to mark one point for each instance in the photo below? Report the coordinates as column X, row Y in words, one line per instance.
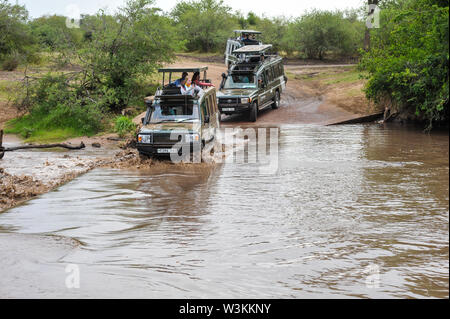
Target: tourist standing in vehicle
column 190, row 88
column 178, row 83
column 196, row 81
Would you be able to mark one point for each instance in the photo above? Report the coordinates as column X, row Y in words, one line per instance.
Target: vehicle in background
column 241, row 38
column 253, row 83
column 174, row 121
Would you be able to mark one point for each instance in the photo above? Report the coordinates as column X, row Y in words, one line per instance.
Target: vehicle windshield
column 174, row 113
column 241, row 81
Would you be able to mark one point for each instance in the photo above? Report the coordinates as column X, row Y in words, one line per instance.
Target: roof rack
column 248, row 49
column 174, row 70
column 164, row 90
column 247, row 31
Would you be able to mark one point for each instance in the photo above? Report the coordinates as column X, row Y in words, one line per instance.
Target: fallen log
column 25, row 147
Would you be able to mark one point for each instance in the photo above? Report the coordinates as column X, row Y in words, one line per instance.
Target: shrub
column 123, row 125
column 10, row 63
column 408, row 60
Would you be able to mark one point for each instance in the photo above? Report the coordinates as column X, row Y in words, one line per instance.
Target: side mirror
column 206, row 119
column 142, row 120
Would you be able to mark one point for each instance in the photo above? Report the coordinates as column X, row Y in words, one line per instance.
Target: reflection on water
column 344, row 198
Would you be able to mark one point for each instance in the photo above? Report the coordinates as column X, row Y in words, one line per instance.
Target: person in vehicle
column 190, row 88
column 178, row 83
column 244, row 79
column 247, row 41
column 196, row 81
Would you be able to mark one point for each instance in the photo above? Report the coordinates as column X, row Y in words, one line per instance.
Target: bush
column 122, row 50
column 53, row 104
column 320, row 32
column 124, row 125
column 204, row 24
column 15, row 35
column 10, row 63
column 408, row 60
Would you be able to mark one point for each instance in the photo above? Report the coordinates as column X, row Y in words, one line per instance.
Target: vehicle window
column 208, row 105
column 174, row 113
column 204, row 109
column 211, row 105
column 266, row 73
column 240, row 81
column 216, row 108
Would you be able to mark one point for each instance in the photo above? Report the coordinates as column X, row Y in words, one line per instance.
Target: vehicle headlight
column 145, row 138
column 190, row 138
column 246, row 100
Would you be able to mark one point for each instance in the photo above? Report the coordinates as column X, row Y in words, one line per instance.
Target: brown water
column 343, row 198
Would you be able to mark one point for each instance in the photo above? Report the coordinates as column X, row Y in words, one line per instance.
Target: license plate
column 167, row 150
column 227, row 109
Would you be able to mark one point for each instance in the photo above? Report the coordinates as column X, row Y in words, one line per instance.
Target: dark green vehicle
column 176, row 122
column 253, row 83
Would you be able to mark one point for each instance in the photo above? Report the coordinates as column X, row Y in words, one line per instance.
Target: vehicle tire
column 253, row 116
column 276, row 100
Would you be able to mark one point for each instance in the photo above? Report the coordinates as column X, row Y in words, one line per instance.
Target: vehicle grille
column 229, row 101
column 163, row 138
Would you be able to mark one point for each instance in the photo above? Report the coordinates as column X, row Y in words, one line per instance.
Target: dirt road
column 301, row 104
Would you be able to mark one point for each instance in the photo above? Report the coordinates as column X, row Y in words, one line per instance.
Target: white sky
column 272, row 8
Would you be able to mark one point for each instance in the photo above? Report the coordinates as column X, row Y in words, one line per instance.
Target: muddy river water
column 352, row 211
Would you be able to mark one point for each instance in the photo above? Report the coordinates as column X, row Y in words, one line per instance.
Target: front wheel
column 253, row 113
column 276, row 101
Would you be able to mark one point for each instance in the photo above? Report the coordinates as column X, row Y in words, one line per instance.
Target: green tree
column 16, row 41
column 52, row 32
column 319, row 32
column 274, row 32
column 123, row 50
column 205, row 24
column 409, row 56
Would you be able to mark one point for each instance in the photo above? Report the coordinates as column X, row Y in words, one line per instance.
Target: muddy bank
column 29, row 173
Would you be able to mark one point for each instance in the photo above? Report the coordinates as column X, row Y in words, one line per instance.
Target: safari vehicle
column 174, row 121
column 253, row 83
column 241, row 38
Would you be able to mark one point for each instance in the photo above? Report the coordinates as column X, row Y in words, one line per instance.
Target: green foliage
column 121, row 51
column 10, row 62
column 51, row 33
column 320, row 32
column 124, row 125
column 204, row 24
column 408, row 60
column 16, row 43
column 274, row 31
column 56, row 105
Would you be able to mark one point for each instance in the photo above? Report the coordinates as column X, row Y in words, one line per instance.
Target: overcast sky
column 287, row 8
